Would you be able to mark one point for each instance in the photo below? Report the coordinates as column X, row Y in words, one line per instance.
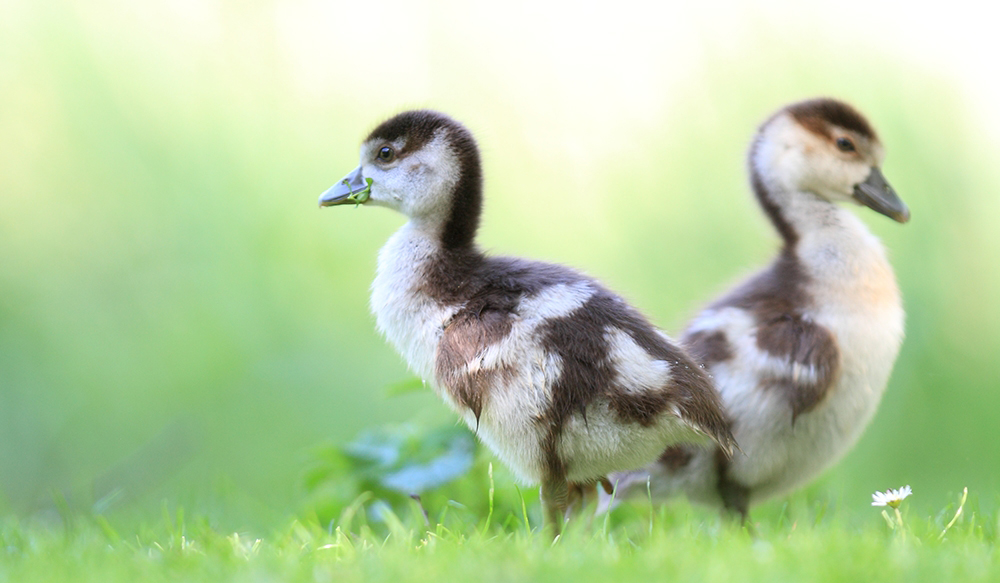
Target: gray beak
column 876, row 194
column 353, row 189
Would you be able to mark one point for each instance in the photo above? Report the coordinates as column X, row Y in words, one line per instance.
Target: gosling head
column 827, row 148
column 424, row 165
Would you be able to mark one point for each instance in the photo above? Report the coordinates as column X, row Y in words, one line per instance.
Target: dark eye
column 386, row 154
column 845, row 145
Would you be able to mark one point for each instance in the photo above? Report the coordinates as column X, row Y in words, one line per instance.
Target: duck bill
column 353, row 189
column 876, row 194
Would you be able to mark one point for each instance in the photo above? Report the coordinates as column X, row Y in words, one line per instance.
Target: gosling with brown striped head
column 801, row 352
column 562, row 379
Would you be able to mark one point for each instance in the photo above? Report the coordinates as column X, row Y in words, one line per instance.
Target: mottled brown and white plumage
column 562, row 379
column 801, row 351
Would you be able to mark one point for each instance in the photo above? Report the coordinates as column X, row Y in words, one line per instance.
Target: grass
column 803, row 539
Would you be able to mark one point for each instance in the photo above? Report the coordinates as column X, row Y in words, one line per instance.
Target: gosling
column 801, row 351
column 561, row 378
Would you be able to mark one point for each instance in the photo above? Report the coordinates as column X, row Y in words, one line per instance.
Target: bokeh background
column 178, row 320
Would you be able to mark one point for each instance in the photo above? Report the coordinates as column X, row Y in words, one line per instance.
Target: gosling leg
column 555, row 500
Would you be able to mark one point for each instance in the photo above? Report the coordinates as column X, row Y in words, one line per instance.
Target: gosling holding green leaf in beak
column 561, row 378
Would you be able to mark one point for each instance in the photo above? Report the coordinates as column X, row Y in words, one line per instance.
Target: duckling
column 801, row 351
column 561, row 378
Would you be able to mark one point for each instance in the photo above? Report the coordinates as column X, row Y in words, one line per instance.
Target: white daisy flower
column 891, row 497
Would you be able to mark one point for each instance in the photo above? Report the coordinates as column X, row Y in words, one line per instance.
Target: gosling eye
column 386, row 154
column 845, row 145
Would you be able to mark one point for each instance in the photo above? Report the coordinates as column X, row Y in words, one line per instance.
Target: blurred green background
column 179, row 321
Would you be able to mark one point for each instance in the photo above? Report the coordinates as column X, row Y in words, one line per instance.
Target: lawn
column 801, row 540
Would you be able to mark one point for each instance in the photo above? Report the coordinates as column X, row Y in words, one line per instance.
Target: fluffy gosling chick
column 561, row 378
column 801, row 351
